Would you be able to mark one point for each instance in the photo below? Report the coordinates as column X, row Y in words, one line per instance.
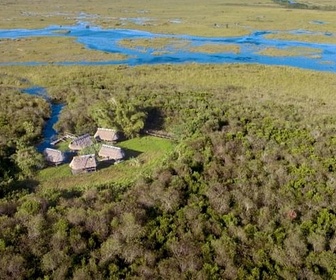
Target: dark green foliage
column 249, row 193
column 123, row 115
column 22, row 116
column 21, row 121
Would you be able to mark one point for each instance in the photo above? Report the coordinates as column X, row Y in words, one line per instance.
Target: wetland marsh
column 135, row 47
column 243, row 189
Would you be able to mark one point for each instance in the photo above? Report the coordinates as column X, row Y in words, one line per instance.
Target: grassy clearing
column 213, row 18
column 293, row 51
column 51, row 49
column 143, row 155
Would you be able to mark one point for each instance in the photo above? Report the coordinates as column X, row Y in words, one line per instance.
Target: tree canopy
column 247, row 193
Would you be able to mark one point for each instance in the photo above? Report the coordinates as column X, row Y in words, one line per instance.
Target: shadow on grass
column 131, row 153
column 128, row 155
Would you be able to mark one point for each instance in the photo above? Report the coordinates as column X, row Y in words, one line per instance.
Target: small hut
column 83, row 164
column 108, row 152
column 53, row 156
column 80, row 142
column 106, row 134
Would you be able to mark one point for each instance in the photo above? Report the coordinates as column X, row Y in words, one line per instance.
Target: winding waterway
column 251, row 51
column 251, row 47
column 48, row 130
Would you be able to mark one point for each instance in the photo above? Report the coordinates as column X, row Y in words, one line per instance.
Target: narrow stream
column 48, row 131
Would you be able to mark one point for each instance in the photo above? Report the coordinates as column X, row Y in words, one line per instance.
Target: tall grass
column 51, row 49
column 293, row 51
column 213, row 18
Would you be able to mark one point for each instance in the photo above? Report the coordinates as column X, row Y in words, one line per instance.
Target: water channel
column 48, row 130
column 251, row 47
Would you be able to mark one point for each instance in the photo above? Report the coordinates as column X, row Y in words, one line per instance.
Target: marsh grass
column 217, row 18
column 212, row 48
column 155, row 43
column 303, row 37
column 214, row 18
column 292, row 51
column 51, row 49
column 284, row 83
column 160, row 45
column 318, row 4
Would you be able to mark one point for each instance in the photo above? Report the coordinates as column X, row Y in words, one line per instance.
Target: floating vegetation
column 155, row 43
column 51, row 49
column 292, row 51
column 212, row 48
column 305, row 37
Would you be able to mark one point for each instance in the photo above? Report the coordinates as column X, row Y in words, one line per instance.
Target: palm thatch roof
column 54, row 156
column 106, row 134
column 84, row 163
column 81, row 142
column 111, row 152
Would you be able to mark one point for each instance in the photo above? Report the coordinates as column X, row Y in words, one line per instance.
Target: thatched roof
column 111, row 152
column 83, row 163
column 106, row 134
column 81, row 142
column 53, row 155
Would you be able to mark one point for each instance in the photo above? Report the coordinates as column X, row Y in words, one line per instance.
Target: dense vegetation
column 248, row 193
column 21, row 121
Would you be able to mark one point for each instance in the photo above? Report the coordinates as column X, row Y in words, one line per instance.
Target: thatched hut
column 83, row 164
column 108, row 152
column 54, row 156
column 106, row 134
column 80, row 142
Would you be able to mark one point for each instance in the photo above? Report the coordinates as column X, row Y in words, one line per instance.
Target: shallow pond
column 251, row 47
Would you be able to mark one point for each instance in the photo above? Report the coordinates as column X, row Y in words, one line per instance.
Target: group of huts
column 88, row 162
